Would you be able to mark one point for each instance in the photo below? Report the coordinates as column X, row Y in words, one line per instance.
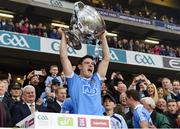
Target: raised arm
column 66, row 64
column 103, row 65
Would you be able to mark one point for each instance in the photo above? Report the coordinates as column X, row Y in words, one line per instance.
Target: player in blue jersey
column 85, row 89
column 141, row 117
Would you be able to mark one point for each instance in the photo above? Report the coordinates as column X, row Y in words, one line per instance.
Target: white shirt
column 60, row 103
column 30, row 106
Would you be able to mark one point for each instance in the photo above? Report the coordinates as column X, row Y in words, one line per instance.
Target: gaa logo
column 13, row 40
column 42, row 117
column 142, row 59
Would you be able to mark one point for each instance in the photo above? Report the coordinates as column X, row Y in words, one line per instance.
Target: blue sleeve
column 47, row 81
column 97, row 77
column 141, row 115
column 72, row 82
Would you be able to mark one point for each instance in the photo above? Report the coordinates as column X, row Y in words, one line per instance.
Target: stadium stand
column 154, row 76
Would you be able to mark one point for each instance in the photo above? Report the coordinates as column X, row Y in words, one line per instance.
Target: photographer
column 117, row 85
column 36, row 79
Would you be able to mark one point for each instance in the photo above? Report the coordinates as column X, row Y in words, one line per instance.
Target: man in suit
column 22, row 110
column 5, row 113
column 158, row 119
column 55, row 106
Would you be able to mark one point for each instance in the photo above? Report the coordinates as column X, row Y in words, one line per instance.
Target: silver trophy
column 86, row 23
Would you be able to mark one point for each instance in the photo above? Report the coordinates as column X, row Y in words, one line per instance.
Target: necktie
column 32, row 108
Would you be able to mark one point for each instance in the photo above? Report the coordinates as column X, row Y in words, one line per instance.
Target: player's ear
column 79, row 66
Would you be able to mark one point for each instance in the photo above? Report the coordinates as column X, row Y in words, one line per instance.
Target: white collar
column 59, row 102
column 85, row 78
column 30, row 104
column 2, row 96
column 139, row 105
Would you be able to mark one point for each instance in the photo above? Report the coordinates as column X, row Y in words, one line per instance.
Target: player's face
column 87, row 68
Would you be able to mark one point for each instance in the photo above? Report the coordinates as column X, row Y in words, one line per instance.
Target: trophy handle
column 78, row 6
column 72, row 40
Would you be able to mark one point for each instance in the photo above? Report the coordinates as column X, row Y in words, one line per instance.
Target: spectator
column 31, row 29
column 152, row 92
column 136, row 46
column 53, row 71
column 39, row 30
column 157, row 50
column 24, row 28
column 20, row 111
column 161, row 105
column 9, row 26
column 125, row 44
column 83, row 87
column 6, row 118
column 159, row 120
column 141, row 117
column 1, row 24
column 15, row 94
column 49, row 96
column 56, row 105
column 117, row 85
column 175, row 93
column 34, row 80
column 122, row 108
column 160, row 92
column 118, row 8
column 17, row 27
column 131, row 45
column 104, row 89
column 167, row 86
column 54, row 34
column 45, row 32
column 172, row 112
column 162, row 50
column 67, row 106
column 117, row 121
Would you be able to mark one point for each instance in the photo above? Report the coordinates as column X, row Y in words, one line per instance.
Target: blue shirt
column 85, row 94
column 141, row 114
column 67, row 106
column 50, row 78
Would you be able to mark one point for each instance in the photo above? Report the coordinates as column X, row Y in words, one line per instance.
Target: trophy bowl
column 85, row 23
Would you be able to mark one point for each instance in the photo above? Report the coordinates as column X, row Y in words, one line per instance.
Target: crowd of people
column 24, row 26
column 145, row 10
column 43, row 93
column 82, row 90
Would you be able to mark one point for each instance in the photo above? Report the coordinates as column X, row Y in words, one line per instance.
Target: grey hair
column 149, row 101
column 28, row 87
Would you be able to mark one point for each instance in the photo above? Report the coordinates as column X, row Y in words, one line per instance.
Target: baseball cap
column 109, row 96
column 56, row 81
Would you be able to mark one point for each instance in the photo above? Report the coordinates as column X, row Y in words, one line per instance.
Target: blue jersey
column 141, row 114
column 67, row 106
column 85, row 94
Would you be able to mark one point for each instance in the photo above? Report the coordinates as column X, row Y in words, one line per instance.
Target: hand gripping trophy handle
column 85, row 22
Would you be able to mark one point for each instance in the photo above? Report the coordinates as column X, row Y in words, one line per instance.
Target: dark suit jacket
column 21, row 111
column 5, row 118
column 53, row 107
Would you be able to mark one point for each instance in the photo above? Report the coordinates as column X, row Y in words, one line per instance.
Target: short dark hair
column 85, row 57
column 171, row 100
column 59, row 88
column 133, row 93
column 52, row 66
